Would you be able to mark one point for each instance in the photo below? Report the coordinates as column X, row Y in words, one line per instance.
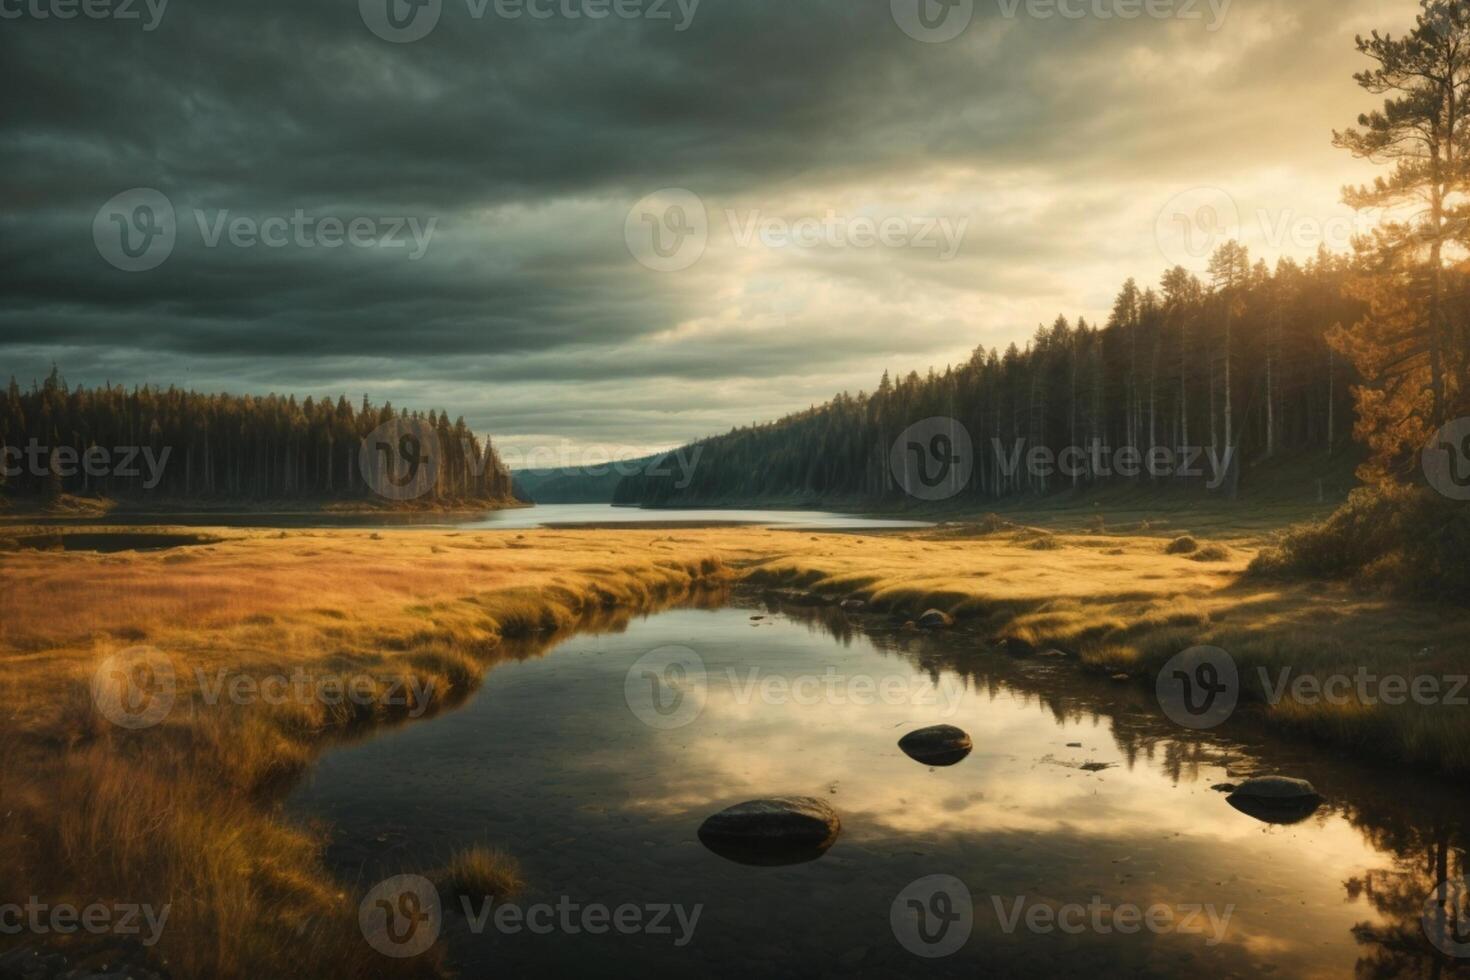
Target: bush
column 1183, row 545
column 1405, row 540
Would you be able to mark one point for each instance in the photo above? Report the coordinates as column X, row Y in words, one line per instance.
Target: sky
column 614, row 226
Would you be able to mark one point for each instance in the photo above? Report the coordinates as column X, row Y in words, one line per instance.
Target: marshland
column 251, row 815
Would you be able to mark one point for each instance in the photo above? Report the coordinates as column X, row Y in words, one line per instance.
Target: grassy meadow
column 186, row 811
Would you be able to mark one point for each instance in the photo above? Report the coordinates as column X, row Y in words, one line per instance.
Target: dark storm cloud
column 522, row 144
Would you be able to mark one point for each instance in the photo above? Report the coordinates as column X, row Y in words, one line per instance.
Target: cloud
column 525, row 142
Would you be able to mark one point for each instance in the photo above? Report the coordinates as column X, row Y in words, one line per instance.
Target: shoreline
column 196, row 796
column 95, row 510
column 437, row 607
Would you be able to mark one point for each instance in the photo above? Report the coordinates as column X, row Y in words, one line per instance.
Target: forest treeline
column 1240, row 361
column 178, row 445
column 1253, row 363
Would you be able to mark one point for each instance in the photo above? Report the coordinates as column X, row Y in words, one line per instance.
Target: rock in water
column 1277, row 788
column 936, row 619
column 1276, row 799
column 853, row 605
column 940, row 745
column 774, row 827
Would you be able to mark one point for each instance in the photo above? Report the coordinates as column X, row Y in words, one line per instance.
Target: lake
column 518, row 518
column 1080, row 837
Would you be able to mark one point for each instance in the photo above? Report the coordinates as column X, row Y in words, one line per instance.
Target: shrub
column 1406, row 540
column 1211, row 552
column 1182, row 545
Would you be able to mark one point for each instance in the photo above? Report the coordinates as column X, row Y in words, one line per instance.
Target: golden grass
column 478, row 873
column 1124, row 604
column 183, row 812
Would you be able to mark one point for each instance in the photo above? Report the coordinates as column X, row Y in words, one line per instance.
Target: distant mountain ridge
column 575, row 484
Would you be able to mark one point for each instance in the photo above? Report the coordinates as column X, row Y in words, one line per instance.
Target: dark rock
column 939, row 745
column 936, row 619
column 776, row 822
column 1276, row 799
column 1278, row 788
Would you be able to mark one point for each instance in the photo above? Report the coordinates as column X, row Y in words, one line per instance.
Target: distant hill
column 574, row 484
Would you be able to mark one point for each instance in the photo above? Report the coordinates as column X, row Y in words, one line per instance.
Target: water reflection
column 765, row 857
column 1283, row 812
column 549, row 761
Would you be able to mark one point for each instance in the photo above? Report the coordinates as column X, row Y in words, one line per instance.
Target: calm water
column 552, row 514
column 552, row 760
column 517, row 518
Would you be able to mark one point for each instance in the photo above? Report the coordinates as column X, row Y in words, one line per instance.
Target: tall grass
column 184, row 814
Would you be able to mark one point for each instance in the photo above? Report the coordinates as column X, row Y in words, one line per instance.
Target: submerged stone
column 1277, row 788
column 939, row 745
column 776, row 823
column 1276, row 799
column 936, row 619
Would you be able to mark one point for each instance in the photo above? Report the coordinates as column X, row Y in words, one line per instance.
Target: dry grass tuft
column 478, row 873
